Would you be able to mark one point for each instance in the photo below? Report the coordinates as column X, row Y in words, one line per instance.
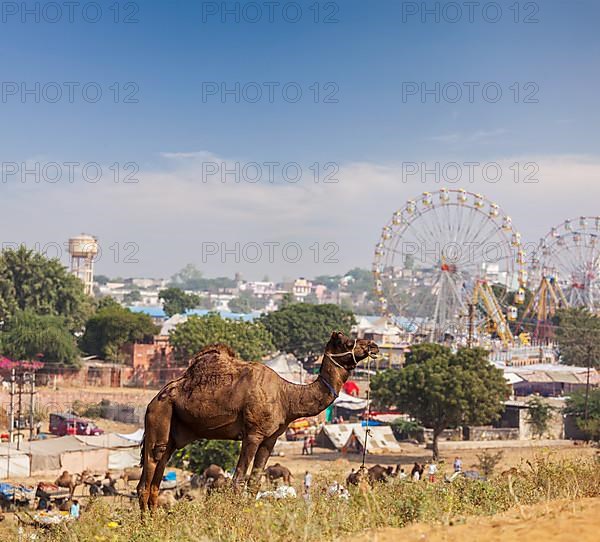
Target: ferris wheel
column 569, row 255
column 435, row 254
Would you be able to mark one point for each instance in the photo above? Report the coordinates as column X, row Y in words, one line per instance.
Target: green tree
column 441, row 389
column 28, row 335
column 578, row 335
column 176, row 301
column 250, row 340
column 202, row 453
column 246, row 302
column 30, row 281
column 539, row 414
column 576, row 407
column 111, row 327
column 332, row 282
column 362, row 281
column 190, row 278
column 304, row 329
column 101, row 279
column 132, row 297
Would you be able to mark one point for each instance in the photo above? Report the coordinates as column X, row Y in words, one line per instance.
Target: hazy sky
column 166, row 95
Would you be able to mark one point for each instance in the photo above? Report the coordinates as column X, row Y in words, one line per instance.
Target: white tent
column 380, row 440
column 334, row 436
column 350, row 402
column 289, row 368
column 13, row 463
column 136, row 436
column 122, row 452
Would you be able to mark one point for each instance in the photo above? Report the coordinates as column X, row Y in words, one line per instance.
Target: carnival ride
column 565, row 267
column 445, row 267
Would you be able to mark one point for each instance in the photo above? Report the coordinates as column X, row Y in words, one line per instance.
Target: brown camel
column 222, row 397
column 377, row 473
column 68, row 480
column 278, row 471
column 131, row 474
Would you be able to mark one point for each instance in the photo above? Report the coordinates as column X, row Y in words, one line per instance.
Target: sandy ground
column 554, row 521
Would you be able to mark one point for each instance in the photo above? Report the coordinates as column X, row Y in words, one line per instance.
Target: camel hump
column 213, row 352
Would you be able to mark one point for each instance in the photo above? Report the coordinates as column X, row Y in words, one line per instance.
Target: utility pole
column 587, row 383
column 471, row 317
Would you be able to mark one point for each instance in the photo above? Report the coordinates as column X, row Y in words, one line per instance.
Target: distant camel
column 70, row 481
column 377, row 473
column 222, row 397
column 277, row 471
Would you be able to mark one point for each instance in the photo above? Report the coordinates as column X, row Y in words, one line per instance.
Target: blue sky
column 366, row 57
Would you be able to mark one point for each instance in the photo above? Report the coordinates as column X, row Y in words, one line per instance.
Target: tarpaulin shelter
column 289, row 368
column 122, row 452
column 334, row 436
column 349, row 402
column 13, row 463
column 64, row 453
column 380, row 440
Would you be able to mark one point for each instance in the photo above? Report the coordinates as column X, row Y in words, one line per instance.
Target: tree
column 362, row 281
column 245, row 303
column 332, row 282
column 539, row 414
column 30, row 281
column 441, row 389
column 190, row 278
column 101, row 279
column 249, row 339
column 132, row 297
column 576, row 407
column 112, row 326
column 29, row 336
column 578, row 335
column 176, row 301
column 303, row 329
column 202, row 453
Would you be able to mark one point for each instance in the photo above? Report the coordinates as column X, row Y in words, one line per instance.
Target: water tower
column 83, row 250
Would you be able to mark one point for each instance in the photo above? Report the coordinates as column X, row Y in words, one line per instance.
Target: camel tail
column 142, row 449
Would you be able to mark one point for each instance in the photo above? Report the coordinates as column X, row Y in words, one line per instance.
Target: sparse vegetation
column 228, row 517
column 539, row 414
column 488, row 461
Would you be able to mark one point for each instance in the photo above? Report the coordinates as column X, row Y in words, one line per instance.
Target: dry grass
column 232, row 518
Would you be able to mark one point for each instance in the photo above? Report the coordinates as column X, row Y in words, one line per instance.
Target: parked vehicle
column 69, row 424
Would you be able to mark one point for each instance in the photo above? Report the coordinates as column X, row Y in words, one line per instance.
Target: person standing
column 307, row 483
column 415, row 473
column 457, row 464
column 431, row 471
column 305, row 446
column 74, row 511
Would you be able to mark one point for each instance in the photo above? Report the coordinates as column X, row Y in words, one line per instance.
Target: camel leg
column 156, row 441
column 250, row 445
column 260, row 461
column 158, row 474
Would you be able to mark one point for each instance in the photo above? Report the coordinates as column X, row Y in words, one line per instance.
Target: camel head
column 349, row 352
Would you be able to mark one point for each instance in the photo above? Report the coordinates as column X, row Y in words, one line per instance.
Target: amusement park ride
column 449, row 267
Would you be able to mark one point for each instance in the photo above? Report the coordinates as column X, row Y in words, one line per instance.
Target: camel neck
column 311, row 399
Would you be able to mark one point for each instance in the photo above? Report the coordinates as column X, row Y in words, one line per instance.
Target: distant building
column 301, row 288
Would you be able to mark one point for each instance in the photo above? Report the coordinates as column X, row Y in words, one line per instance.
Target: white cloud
column 171, row 211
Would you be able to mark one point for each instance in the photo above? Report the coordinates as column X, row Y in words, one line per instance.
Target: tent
column 334, row 436
column 349, row 402
column 13, row 463
column 289, row 368
column 380, row 440
column 122, row 452
column 64, row 453
column 136, row 436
